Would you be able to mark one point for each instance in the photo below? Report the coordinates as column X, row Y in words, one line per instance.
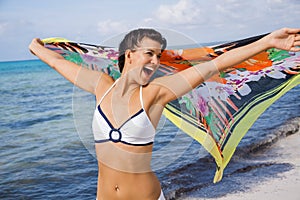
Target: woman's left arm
column 174, row 86
column 285, row 39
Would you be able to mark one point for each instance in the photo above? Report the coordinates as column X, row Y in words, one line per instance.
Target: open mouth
column 148, row 70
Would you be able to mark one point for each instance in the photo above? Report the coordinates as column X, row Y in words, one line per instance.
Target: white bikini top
column 137, row 130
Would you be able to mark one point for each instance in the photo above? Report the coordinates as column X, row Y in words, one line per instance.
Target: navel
column 117, row 188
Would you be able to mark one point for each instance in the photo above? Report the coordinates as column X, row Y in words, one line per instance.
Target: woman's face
column 144, row 60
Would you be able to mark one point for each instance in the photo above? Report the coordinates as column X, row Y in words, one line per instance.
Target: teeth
column 149, row 68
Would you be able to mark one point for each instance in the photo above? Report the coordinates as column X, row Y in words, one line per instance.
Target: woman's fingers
column 293, row 30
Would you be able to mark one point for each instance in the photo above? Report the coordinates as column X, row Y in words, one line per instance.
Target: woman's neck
column 126, row 86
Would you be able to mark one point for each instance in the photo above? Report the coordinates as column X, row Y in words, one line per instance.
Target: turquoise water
column 46, row 144
column 40, row 150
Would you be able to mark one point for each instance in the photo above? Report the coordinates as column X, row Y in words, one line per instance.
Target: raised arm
column 180, row 83
column 285, row 39
column 84, row 78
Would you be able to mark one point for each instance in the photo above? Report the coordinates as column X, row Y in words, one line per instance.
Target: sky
column 102, row 22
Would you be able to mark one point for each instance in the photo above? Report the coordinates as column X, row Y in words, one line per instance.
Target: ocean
column 47, row 152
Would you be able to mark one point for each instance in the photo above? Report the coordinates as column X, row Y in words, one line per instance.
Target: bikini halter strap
column 107, row 91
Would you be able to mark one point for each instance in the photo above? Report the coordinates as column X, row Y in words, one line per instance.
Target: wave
column 30, row 122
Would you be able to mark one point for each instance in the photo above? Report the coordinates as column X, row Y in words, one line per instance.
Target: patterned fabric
column 220, row 111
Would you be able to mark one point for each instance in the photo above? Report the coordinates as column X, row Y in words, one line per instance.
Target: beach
column 285, row 185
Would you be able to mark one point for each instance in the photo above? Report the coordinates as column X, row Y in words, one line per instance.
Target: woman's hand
column 285, row 39
column 34, row 42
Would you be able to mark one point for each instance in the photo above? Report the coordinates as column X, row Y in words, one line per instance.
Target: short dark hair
column 132, row 40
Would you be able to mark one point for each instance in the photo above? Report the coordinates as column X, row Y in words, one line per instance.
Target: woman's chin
column 145, row 80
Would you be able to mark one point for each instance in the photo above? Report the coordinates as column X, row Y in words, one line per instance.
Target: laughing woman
column 128, row 109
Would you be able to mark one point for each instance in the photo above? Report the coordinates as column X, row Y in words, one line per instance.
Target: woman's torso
column 126, row 175
column 124, row 170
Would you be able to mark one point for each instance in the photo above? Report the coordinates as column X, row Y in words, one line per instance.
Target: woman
column 128, row 109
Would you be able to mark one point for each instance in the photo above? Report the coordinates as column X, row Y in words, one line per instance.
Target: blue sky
column 95, row 21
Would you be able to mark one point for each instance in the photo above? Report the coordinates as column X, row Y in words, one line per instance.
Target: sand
column 285, row 186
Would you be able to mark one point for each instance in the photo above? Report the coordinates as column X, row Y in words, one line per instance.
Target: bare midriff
column 125, row 172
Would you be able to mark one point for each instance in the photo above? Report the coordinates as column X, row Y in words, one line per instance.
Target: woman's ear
column 128, row 55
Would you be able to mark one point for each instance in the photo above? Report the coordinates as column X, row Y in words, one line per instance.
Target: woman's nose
column 155, row 60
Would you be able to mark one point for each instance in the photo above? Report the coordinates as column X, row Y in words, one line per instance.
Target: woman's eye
column 149, row 53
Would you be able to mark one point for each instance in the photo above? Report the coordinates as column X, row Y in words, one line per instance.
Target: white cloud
column 229, row 10
column 111, row 27
column 222, row 20
column 274, row 1
column 184, row 12
column 147, row 20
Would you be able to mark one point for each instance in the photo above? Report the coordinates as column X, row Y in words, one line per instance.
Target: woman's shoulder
column 104, row 83
column 164, row 90
column 154, row 91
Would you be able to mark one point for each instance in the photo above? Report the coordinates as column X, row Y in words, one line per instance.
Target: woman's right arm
column 85, row 79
